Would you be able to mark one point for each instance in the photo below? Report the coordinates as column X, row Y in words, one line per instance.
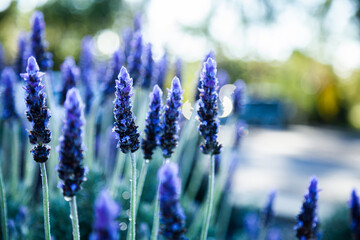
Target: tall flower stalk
column 127, row 134
column 39, row 115
column 209, row 125
column 307, row 225
column 70, row 168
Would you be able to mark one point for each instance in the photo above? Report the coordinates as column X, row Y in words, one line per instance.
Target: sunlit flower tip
column 170, row 125
column 134, row 59
column 106, row 211
column 71, row 170
column 8, row 78
column 124, row 125
column 32, row 67
column 172, row 217
column 152, row 123
column 148, row 68
column 307, row 219
column 209, row 123
column 239, row 96
column 268, row 212
column 69, row 73
column 355, row 214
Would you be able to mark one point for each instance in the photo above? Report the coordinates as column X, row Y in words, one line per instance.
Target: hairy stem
column 132, row 218
column 45, row 189
column 74, row 218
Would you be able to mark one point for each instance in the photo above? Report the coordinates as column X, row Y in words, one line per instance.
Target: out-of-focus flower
column 252, row 226
column 71, row 170
column 161, row 71
column 124, row 126
column 69, row 74
column 86, row 70
column 268, row 212
column 178, row 68
column 36, row 111
column 355, row 214
column 274, row 234
column 108, row 86
column 172, row 217
column 22, row 54
column 127, row 35
column 239, row 97
column 106, row 211
column 223, row 77
column 8, row 79
column 134, row 59
column 152, row 123
column 170, row 125
column 241, row 131
column 148, row 68
column 209, row 123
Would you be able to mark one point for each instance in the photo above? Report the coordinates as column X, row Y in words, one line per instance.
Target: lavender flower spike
column 69, row 74
column 106, row 211
column 152, row 123
column 355, row 215
column 70, row 168
column 148, row 68
column 208, row 111
column 86, row 70
column 36, row 111
column 124, row 126
column 8, row 79
column 161, row 71
column 170, row 126
column 197, row 95
column 38, row 42
column 268, row 212
column 172, row 217
column 134, row 59
column 307, row 219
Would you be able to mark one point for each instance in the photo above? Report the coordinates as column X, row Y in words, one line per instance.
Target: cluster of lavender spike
column 207, row 112
column 124, row 126
column 70, row 168
column 152, row 123
column 170, row 126
column 37, row 112
column 172, row 217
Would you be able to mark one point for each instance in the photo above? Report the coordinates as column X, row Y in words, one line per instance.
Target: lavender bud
column 208, row 111
column 86, row 69
column 69, row 74
column 355, row 214
column 170, row 125
column 268, row 212
column 197, row 95
column 172, row 217
column 134, row 59
column 239, row 97
column 148, row 67
column 124, row 126
column 70, row 168
column 22, row 54
column 307, row 219
column 36, row 111
column 152, row 123
column 178, row 68
column 8, row 78
column 106, row 211
column 38, row 42
column 108, row 87
column 161, row 71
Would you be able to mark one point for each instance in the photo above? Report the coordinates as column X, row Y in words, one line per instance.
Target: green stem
column 74, row 218
column 3, row 209
column 132, row 218
column 141, row 182
column 45, row 189
column 120, row 162
column 15, row 164
column 210, row 198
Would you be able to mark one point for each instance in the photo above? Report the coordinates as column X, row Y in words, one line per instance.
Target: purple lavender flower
column 134, row 59
column 127, row 35
column 86, row 69
column 161, row 71
column 137, row 22
column 70, row 168
column 106, row 211
column 207, row 112
column 38, row 43
column 152, row 123
column 239, row 97
column 22, row 54
column 170, row 126
column 172, row 217
column 148, row 68
column 197, row 95
column 8, row 78
column 223, row 77
column 355, row 214
column 69, row 74
column 108, row 87
column 178, row 68
column 124, row 126
column 36, row 111
column 307, row 219
column 268, row 212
